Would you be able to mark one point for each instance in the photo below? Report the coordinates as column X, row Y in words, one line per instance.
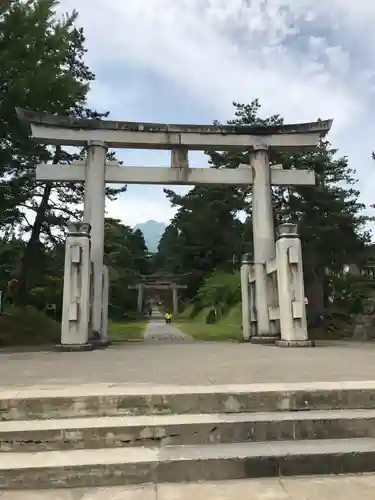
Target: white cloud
column 220, row 50
column 140, row 204
column 132, row 209
column 302, row 58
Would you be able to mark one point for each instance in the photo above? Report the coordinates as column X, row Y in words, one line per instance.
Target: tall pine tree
column 42, row 68
column 330, row 216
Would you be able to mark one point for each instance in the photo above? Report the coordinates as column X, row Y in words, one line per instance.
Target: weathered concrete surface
column 158, row 331
column 147, row 492
column 209, row 446
column 48, row 402
column 195, row 363
column 349, row 487
column 343, row 487
column 122, row 466
column 163, row 430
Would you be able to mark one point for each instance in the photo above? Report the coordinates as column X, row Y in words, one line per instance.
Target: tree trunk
column 314, row 291
column 28, row 260
column 314, row 278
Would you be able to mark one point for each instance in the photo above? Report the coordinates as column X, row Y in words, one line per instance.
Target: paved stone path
column 158, row 331
column 189, row 363
column 351, row 487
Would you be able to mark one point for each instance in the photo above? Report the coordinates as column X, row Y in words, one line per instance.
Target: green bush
column 349, row 291
column 211, row 317
column 188, row 311
column 50, row 293
column 221, row 290
column 27, row 327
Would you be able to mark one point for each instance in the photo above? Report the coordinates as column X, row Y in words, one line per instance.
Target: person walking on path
column 168, row 318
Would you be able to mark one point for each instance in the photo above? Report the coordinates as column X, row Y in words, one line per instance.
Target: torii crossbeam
column 140, row 287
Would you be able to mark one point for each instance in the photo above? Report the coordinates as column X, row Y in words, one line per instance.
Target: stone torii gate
column 99, row 135
column 141, row 287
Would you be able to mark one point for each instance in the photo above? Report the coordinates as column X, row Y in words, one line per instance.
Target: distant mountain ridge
column 152, row 232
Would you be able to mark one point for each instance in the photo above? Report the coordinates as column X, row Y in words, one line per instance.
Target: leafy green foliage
column 127, row 257
column 125, row 254
column 42, row 68
column 11, row 251
column 221, row 289
column 349, row 291
column 205, row 233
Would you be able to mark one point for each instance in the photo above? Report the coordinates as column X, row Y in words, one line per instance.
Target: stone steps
column 88, row 401
column 118, row 435
column 163, row 430
column 122, row 466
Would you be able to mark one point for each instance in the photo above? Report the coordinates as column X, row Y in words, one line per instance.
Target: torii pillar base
column 74, row 347
column 295, row 343
column 265, row 339
column 98, row 342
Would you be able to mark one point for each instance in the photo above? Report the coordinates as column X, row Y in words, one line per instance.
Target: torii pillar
column 140, row 289
column 174, row 298
column 140, row 298
column 264, row 239
column 94, row 214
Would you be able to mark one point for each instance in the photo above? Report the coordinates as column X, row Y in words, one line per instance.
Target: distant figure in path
column 150, row 311
column 168, row 318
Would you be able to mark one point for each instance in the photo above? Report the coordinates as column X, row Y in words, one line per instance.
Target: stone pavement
column 189, row 363
column 158, row 331
column 350, row 487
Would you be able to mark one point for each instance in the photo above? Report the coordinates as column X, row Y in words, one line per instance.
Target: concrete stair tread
column 267, row 449
column 153, row 456
column 184, row 419
column 86, row 390
column 45, row 403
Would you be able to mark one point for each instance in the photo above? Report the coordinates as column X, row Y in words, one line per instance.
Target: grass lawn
column 130, row 331
column 228, row 328
column 203, row 331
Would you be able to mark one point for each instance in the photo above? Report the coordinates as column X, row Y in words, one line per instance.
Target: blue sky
column 185, row 61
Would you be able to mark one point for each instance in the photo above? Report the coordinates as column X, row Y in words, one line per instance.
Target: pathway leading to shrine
column 158, row 331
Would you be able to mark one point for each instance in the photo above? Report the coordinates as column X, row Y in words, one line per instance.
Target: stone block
column 74, row 347
column 264, row 340
column 295, row 343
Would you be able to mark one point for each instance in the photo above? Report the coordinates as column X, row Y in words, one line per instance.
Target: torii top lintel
column 68, row 130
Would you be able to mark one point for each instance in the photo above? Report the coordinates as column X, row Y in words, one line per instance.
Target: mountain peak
column 152, row 231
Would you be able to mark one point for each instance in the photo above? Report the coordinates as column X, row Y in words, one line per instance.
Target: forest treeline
column 43, row 68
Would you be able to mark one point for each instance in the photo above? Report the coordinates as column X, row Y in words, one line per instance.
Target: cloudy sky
column 185, row 61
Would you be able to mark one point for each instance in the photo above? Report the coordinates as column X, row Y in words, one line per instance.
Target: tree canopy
column 213, row 224
column 42, row 68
